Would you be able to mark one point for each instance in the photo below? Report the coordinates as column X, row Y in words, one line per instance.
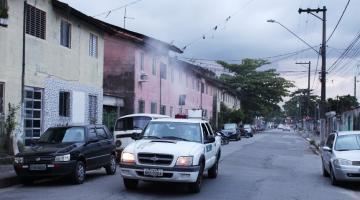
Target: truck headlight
column 184, row 161
column 19, row 160
column 342, row 162
column 127, row 158
column 63, row 158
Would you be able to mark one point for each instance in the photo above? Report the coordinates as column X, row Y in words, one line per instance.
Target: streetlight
column 298, row 37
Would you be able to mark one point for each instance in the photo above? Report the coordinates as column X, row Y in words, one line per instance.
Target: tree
column 227, row 115
column 296, row 106
column 342, row 103
column 10, row 141
column 259, row 91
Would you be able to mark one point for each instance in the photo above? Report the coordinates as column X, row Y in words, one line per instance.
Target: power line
column 216, row 27
column 108, row 12
column 316, row 69
column 337, row 24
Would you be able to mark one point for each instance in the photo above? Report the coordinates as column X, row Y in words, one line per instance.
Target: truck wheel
column 79, row 173
column 111, row 167
column 196, row 186
column 213, row 171
column 130, row 184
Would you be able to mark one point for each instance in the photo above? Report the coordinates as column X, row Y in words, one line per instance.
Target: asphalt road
column 271, row 166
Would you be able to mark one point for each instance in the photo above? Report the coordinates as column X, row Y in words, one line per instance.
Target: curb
column 9, row 181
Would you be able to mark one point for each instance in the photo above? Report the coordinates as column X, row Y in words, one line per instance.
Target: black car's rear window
column 132, row 123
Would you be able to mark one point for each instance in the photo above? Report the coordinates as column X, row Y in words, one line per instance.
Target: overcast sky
column 246, row 34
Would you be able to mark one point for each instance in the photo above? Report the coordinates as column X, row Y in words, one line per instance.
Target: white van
column 127, row 125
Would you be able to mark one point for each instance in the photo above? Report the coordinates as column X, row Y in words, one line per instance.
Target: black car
column 231, row 131
column 67, row 151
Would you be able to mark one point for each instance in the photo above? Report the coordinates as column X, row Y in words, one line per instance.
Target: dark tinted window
column 92, row 134
column 101, row 133
column 330, row 141
column 62, row 135
column 132, row 123
column 205, row 131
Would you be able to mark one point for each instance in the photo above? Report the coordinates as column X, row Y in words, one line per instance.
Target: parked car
column 224, row 139
column 126, row 125
column 67, row 151
column 286, row 128
column 231, row 131
column 341, row 157
column 172, row 150
column 248, row 130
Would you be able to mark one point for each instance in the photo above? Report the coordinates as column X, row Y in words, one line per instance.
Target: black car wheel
column 79, row 173
column 196, row 186
column 111, row 167
column 130, row 184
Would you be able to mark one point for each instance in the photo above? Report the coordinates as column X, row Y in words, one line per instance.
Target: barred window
column 93, row 109
column 35, row 22
column 141, row 106
column 64, row 104
column 163, row 110
column 153, row 108
column 93, row 45
column 65, row 34
column 3, row 9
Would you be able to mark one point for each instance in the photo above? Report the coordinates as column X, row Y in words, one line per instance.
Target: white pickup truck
column 172, row 150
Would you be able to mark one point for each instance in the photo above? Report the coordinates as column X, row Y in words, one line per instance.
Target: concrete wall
column 47, row 59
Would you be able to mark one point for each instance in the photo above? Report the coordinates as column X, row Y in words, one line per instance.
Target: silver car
column 341, row 156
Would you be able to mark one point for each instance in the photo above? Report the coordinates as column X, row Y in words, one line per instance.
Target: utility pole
column 355, row 86
column 323, row 55
column 308, row 88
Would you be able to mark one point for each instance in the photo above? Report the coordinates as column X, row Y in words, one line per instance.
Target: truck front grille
column 155, row 159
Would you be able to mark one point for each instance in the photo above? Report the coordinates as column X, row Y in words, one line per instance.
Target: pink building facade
column 141, row 77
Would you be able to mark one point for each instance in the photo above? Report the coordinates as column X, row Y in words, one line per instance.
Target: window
column 141, row 106
column 2, row 98
column 171, row 111
column 93, row 105
column 193, row 83
column 92, row 134
column 93, row 45
column 198, row 85
column 205, row 131
column 35, row 22
column 3, row 9
column 153, row 108
column 101, row 134
column 142, row 61
column 154, row 66
column 163, row 110
column 65, row 34
column 132, row 123
column 33, row 114
column 206, row 89
column 330, row 141
column 163, row 71
column 64, row 104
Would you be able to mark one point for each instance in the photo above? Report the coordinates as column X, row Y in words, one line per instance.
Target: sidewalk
column 312, row 138
column 7, row 176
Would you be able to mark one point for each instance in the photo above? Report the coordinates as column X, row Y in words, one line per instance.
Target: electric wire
column 338, row 22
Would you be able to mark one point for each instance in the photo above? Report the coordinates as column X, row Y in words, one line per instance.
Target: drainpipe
column 23, row 57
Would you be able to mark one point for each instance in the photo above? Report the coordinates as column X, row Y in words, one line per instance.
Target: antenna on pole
column 126, row 17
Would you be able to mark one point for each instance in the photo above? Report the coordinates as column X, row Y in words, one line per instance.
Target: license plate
column 153, row 172
column 38, row 167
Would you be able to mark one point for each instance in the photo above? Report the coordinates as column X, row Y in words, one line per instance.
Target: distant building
column 63, row 65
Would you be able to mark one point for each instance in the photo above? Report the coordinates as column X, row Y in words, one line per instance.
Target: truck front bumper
column 170, row 174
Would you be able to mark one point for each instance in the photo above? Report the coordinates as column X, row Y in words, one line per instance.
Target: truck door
column 209, row 147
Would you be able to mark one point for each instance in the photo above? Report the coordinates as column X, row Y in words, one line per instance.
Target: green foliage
column 10, row 125
column 227, row 115
column 296, row 106
column 342, row 103
column 259, row 91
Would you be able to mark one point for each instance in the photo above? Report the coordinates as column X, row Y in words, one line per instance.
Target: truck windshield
column 173, row 130
column 63, row 135
column 229, row 126
column 132, row 123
